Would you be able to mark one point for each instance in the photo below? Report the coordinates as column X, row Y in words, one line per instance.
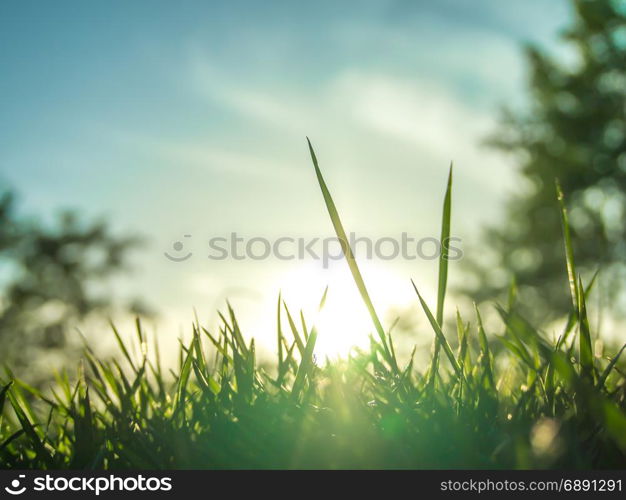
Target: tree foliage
column 50, row 275
column 575, row 131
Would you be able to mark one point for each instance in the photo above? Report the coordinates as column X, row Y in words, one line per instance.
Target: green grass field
column 488, row 399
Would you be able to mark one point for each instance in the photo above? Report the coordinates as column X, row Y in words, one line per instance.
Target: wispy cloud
column 426, row 115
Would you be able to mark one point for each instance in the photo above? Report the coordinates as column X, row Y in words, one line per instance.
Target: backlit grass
column 510, row 398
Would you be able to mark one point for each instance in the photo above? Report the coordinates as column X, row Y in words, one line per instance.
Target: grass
column 506, row 399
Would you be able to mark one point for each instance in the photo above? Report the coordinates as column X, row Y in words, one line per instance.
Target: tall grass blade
column 569, row 249
column 343, row 239
column 584, row 335
column 443, row 271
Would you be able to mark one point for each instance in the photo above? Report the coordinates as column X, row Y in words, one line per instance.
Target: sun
column 343, row 322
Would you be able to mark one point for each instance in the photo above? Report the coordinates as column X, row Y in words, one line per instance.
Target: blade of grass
column 485, row 353
column 343, row 239
column 11, row 438
column 3, row 395
column 443, row 271
column 294, row 330
column 122, row 346
column 306, row 365
column 279, row 333
column 584, row 335
column 610, row 366
column 440, row 335
column 573, row 315
column 569, row 249
column 323, row 299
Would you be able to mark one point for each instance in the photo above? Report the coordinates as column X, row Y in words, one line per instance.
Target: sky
column 189, row 118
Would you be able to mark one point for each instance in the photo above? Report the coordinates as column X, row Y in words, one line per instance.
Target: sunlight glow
column 343, row 322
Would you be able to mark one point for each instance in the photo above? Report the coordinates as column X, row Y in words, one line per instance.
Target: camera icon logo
column 178, row 247
column 15, row 489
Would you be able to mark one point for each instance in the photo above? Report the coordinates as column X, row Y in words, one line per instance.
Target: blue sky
column 189, row 117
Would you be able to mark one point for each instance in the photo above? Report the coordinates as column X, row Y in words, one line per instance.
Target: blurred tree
column 574, row 130
column 48, row 278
